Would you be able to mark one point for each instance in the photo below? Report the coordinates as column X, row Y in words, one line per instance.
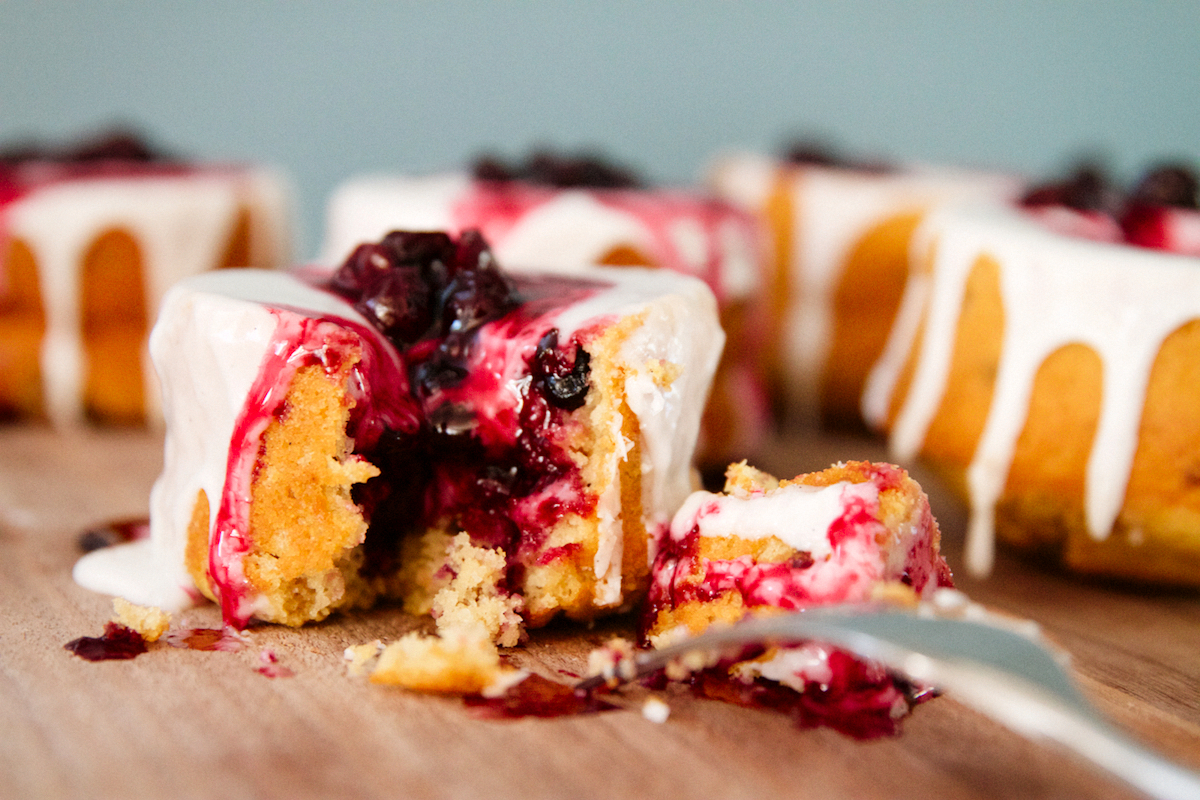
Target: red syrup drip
column 862, row 700
column 538, row 697
column 225, row 640
column 118, row 642
column 115, row 532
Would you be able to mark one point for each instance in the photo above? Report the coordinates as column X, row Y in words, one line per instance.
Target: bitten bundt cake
column 838, row 241
column 1054, row 374
column 854, row 533
column 90, row 239
column 421, row 425
column 560, row 214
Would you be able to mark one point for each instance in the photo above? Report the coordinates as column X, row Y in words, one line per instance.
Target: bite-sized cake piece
column 1053, row 378
column 90, row 240
column 839, row 234
column 854, row 533
column 326, row 443
column 565, row 214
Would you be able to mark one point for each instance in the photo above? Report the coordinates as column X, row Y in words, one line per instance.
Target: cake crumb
column 613, row 661
column 460, row 661
column 655, row 710
column 895, row 593
column 359, row 656
column 148, row 621
column 743, row 480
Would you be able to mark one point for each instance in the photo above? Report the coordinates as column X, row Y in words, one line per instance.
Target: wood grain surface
column 184, row 723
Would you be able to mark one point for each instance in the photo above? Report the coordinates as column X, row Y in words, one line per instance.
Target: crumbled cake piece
column 359, row 657
column 613, row 661
column 462, row 661
column 151, row 623
column 472, row 597
column 854, row 532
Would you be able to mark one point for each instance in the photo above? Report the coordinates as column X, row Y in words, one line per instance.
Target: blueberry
column 1168, row 185
column 545, row 168
column 1086, row 189
column 565, row 386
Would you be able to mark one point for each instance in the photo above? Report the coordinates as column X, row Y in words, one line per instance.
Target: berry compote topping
column 1161, row 212
column 861, row 699
column 425, row 285
column 1169, row 185
column 563, row 172
column 812, row 153
column 118, row 642
column 116, row 145
column 565, row 385
column 472, row 459
column 1165, row 195
column 1086, row 189
column 114, row 153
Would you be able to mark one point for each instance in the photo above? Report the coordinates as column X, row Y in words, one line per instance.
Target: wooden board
column 183, row 723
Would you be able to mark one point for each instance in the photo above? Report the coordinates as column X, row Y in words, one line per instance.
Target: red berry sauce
column 225, row 640
column 538, row 697
column 863, row 700
column 118, row 642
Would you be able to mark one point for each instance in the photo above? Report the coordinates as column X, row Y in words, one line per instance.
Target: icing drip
column 830, row 210
column 1118, row 300
column 180, row 217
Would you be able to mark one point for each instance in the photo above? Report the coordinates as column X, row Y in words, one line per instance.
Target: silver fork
column 998, row 667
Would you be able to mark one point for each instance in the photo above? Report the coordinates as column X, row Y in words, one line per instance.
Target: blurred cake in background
column 838, row 238
column 564, row 214
column 1054, row 373
column 91, row 237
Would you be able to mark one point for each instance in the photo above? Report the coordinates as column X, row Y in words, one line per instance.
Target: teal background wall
column 328, row 89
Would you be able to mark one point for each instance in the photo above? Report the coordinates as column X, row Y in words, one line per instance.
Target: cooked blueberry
column 545, row 168
column 399, row 305
column 565, row 385
column 1085, row 190
column 814, row 153
column 418, row 247
column 474, row 297
column 361, row 271
column 1169, row 185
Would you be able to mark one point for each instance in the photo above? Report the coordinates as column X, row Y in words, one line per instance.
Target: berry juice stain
column 117, row 643
column 538, row 697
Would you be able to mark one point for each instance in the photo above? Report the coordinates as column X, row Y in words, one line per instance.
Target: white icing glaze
column 800, row 516
column 181, row 225
column 833, row 209
column 561, row 230
column 1056, row 290
column 216, row 330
